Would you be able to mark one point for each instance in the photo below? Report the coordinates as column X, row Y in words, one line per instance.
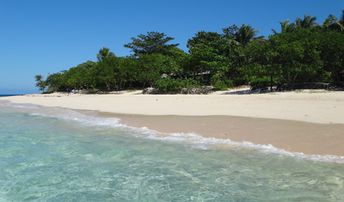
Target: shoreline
column 292, row 136
column 276, row 119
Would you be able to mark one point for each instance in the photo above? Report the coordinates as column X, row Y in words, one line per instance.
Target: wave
column 193, row 139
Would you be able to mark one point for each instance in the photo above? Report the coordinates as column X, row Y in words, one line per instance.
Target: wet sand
column 295, row 136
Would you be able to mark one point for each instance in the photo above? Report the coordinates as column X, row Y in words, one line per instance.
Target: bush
column 220, row 85
column 260, row 83
column 219, row 82
column 169, row 85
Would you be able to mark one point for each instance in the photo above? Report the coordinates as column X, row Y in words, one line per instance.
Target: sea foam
column 193, row 139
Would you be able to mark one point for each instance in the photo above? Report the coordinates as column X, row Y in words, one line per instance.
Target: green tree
column 242, row 35
column 261, row 69
column 237, row 39
column 80, row 77
column 302, row 51
column 128, row 73
column 152, row 42
column 154, row 66
column 40, row 83
column 245, row 34
column 332, row 23
column 332, row 54
column 56, row 83
column 298, row 54
column 104, row 53
column 306, row 23
column 286, row 27
column 105, row 73
column 207, row 51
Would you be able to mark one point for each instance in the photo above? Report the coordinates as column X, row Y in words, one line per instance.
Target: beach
column 158, row 101
column 306, row 122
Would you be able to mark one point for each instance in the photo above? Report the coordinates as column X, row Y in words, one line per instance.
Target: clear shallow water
column 81, row 158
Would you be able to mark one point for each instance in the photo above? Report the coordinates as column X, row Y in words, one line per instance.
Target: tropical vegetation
column 303, row 53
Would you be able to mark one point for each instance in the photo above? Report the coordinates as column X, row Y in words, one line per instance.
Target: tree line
column 302, row 52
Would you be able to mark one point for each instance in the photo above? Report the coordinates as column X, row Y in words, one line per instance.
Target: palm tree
column 286, row 27
column 245, row 34
column 104, row 53
column 341, row 22
column 40, row 83
column 332, row 23
column 330, row 20
column 38, row 77
column 305, row 23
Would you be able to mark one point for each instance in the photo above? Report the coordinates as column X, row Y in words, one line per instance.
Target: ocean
column 55, row 154
column 7, row 95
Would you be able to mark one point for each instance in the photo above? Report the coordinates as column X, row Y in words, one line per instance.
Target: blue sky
column 46, row 36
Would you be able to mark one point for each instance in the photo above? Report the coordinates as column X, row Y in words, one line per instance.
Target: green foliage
column 219, row 82
column 220, row 85
column 56, row 83
column 306, row 23
column 152, row 42
column 104, row 53
column 106, row 74
column 153, row 66
column 332, row 55
column 260, row 83
column 40, row 83
column 207, row 50
column 169, row 85
column 303, row 51
column 242, row 35
column 80, row 77
column 128, row 73
column 298, row 54
column 245, row 34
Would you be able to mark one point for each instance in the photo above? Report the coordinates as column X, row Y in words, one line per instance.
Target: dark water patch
column 9, row 95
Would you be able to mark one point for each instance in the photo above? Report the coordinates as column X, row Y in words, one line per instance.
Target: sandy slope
column 319, row 107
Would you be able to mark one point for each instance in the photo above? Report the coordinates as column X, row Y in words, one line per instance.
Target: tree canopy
column 302, row 51
column 152, row 42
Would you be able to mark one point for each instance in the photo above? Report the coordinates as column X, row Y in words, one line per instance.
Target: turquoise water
column 51, row 154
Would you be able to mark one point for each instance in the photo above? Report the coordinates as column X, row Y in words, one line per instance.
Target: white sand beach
column 313, row 107
column 311, row 122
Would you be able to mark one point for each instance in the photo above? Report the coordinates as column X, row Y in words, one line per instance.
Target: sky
column 47, row 36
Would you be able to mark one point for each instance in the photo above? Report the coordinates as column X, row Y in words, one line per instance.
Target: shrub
column 219, row 82
column 169, row 85
column 220, row 85
column 260, row 83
